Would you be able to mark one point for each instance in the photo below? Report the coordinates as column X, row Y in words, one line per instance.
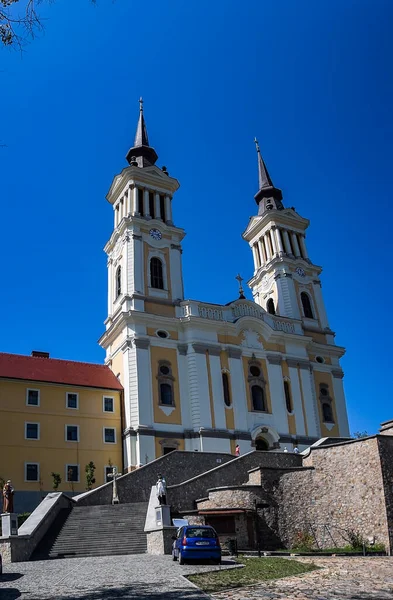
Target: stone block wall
column 385, row 445
column 233, row 497
column 344, row 489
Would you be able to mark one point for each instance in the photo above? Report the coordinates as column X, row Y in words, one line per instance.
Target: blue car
column 199, row 542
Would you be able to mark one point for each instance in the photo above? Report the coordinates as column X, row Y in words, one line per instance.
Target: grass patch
column 254, row 571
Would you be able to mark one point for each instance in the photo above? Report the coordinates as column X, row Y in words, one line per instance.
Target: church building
column 264, row 374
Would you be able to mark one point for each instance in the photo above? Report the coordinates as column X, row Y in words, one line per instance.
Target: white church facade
column 198, row 376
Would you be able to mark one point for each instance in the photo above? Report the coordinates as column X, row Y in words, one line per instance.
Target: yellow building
column 56, row 416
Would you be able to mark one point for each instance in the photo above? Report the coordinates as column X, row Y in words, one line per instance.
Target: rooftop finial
column 241, row 291
column 141, row 104
column 257, row 145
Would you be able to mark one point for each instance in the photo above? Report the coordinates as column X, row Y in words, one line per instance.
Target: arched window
column 288, row 399
column 261, row 444
column 156, row 274
column 270, row 306
column 327, row 412
column 165, row 384
column 306, row 303
column 225, row 387
column 118, row 281
column 258, row 398
column 166, row 395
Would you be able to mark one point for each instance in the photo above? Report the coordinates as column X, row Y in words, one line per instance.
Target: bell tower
column 285, row 281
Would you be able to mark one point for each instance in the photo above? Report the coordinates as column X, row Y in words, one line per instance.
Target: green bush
column 303, row 542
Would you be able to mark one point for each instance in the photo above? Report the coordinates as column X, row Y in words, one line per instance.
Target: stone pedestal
column 163, row 516
column 159, row 541
column 9, row 524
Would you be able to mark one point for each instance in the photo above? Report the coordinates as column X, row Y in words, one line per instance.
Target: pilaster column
column 255, row 256
column 316, row 286
column 339, row 400
column 287, row 244
column 238, row 385
column 157, row 206
column 278, row 240
column 168, row 210
column 262, row 251
column 267, row 246
column 277, row 395
column 303, row 247
column 295, row 244
column 146, row 207
column 110, row 286
column 129, row 200
column 134, row 206
column 273, row 240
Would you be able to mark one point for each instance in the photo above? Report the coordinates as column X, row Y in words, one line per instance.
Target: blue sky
column 312, row 80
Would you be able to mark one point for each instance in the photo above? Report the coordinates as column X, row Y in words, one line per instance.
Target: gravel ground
column 102, row 578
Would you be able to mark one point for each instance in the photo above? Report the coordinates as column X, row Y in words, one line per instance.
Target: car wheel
column 181, row 559
column 174, row 557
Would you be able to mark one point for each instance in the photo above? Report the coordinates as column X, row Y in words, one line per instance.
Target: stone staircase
column 104, row 530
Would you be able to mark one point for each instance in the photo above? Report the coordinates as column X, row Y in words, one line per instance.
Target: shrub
column 303, row 541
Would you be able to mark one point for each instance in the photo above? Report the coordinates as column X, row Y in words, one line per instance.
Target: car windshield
column 200, row 532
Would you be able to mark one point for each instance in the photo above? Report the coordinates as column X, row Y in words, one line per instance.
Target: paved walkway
column 101, row 578
column 339, row 579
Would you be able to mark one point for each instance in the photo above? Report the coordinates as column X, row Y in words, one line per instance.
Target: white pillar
column 287, row 244
column 309, row 401
column 273, row 240
column 278, row 240
column 303, row 246
column 296, row 400
column 157, row 206
column 129, row 200
column 255, row 256
column 287, row 300
column 238, row 385
column 339, row 399
column 295, row 244
column 134, row 208
column 168, row 209
column 110, row 286
column 217, row 391
column 262, row 251
column 316, row 286
column 276, row 387
column 146, row 208
column 138, row 264
column 267, row 246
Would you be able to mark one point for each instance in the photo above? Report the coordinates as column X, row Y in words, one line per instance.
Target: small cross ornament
column 115, row 497
column 241, row 291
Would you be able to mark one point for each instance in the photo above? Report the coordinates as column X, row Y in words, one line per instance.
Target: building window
column 72, row 400
column 109, row 404
column 288, row 398
column 270, row 306
column 326, row 403
column 118, row 281
column 72, row 433
column 151, row 205
column 258, row 398
column 156, row 274
column 165, row 384
column 139, row 208
column 108, row 473
column 226, row 390
column 72, row 473
column 162, row 334
column 109, row 435
column 162, row 207
column 32, row 431
column 32, row 471
column 306, row 303
column 327, row 413
column 168, row 449
column 33, row 397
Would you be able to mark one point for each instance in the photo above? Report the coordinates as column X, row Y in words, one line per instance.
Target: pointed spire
column 268, row 196
column 141, row 154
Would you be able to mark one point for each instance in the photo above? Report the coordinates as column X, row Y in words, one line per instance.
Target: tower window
column 255, row 371
column 118, row 281
column 151, row 205
column 162, row 207
column 165, row 384
column 306, row 303
column 156, row 274
column 288, row 398
column 225, row 388
column 258, row 398
column 270, row 306
column 139, row 208
column 327, row 413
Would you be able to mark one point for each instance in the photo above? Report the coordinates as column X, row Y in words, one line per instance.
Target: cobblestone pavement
column 102, row 578
column 339, row 579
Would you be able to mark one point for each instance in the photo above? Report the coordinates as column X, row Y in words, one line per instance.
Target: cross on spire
column 141, row 104
column 241, row 291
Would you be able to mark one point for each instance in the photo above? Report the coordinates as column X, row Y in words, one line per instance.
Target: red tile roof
column 54, row 370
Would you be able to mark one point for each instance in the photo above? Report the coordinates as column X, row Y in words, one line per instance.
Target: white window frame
column 27, row 397
column 38, row 472
column 68, row 465
column 65, row 433
column 103, row 435
column 38, row 431
column 109, row 467
column 77, row 401
column 103, row 404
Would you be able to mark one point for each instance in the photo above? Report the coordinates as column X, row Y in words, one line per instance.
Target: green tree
column 90, row 479
column 56, row 480
column 360, row 434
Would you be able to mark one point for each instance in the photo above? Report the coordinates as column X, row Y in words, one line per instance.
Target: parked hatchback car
column 1, row 566
column 199, row 542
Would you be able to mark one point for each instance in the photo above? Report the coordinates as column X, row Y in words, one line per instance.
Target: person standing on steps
column 296, row 450
column 237, row 450
column 8, row 497
column 161, row 489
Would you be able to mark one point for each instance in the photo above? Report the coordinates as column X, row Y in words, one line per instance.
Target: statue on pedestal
column 161, row 489
column 8, row 497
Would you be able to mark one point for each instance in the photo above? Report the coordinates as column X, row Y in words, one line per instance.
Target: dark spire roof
column 141, row 154
column 268, row 196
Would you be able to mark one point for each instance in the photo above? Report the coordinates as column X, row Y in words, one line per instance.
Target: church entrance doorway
column 261, row 444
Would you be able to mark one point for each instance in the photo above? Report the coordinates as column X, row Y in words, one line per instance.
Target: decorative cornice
column 201, row 348
column 299, row 362
column 338, row 373
column 141, row 343
column 176, row 247
column 182, row 349
column 234, row 352
column 274, row 359
column 136, row 237
column 288, row 275
column 126, row 344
